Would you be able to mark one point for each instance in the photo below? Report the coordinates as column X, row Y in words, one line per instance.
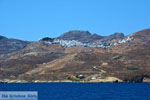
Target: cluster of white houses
column 73, row 43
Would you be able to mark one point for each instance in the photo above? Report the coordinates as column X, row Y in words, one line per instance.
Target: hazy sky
column 33, row 19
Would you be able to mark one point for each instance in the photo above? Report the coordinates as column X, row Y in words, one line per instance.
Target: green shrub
column 132, row 68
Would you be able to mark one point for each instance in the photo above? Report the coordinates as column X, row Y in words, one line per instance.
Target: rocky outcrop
column 112, row 37
column 86, row 37
column 2, row 38
column 81, row 36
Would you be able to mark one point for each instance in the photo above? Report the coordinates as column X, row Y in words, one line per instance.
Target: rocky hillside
column 11, row 45
column 126, row 59
column 86, row 37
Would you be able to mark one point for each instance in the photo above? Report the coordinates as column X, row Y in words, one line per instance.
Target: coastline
column 2, row 82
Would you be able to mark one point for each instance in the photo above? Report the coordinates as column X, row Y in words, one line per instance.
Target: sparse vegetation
column 73, row 78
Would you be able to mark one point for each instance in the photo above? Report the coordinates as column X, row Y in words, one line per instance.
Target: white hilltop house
column 123, row 41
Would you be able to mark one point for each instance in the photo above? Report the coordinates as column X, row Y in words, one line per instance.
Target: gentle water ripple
column 84, row 91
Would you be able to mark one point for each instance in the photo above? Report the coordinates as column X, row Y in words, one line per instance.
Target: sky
column 33, row 19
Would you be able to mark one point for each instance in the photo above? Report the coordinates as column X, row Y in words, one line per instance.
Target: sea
column 83, row 91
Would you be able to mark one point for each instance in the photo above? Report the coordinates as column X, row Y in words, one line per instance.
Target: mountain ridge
column 86, row 36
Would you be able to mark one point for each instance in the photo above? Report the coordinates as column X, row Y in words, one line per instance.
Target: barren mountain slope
column 40, row 62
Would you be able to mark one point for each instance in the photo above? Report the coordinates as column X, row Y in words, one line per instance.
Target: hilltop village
column 74, row 43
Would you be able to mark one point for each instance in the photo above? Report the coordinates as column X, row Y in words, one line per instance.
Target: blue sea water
column 84, row 91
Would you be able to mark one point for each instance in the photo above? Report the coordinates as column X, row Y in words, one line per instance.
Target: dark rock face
column 47, row 39
column 85, row 36
column 11, row 45
column 112, row 37
column 116, row 36
column 2, row 37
